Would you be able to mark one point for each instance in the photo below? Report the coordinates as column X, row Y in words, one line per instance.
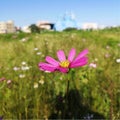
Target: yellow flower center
column 64, row 64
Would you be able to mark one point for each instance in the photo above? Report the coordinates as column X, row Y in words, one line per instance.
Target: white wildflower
column 61, row 78
column 35, row 85
column 25, row 68
column 47, row 71
column 22, row 76
column 16, row 68
column 118, row 60
column 35, row 49
column 107, row 47
column 41, row 82
column 24, row 39
column 96, row 59
column 23, row 63
column 38, row 53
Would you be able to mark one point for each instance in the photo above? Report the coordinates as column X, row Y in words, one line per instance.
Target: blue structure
column 68, row 20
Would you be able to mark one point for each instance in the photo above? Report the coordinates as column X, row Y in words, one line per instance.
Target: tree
column 34, row 28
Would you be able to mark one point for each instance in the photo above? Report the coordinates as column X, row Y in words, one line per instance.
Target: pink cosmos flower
column 63, row 65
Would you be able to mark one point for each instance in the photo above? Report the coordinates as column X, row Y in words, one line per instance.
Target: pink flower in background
column 92, row 65
column 63, row 65
column 2, row 79
column 107, row 55
column 9, row 81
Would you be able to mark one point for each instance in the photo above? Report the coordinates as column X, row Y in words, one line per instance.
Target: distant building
column 7, row 27
column 26, row 29
column 45, row 25
column 88, row 26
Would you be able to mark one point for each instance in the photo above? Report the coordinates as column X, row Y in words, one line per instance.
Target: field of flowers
column 91, row 91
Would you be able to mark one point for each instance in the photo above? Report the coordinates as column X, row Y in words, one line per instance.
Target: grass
column 34, row 94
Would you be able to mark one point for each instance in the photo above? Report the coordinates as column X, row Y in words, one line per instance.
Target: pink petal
column 71, row 54
column 63, row 70
column 52, row 61
column 81, row 62
column 61, row 55
column 81, row 54
column 47, row 67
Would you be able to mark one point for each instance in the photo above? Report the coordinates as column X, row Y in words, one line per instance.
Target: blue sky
column 26, row 12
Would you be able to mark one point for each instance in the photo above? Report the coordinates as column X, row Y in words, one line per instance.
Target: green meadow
column 29, row 93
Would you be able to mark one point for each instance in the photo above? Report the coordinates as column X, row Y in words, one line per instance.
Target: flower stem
column 66, row 99
column 67, row 90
